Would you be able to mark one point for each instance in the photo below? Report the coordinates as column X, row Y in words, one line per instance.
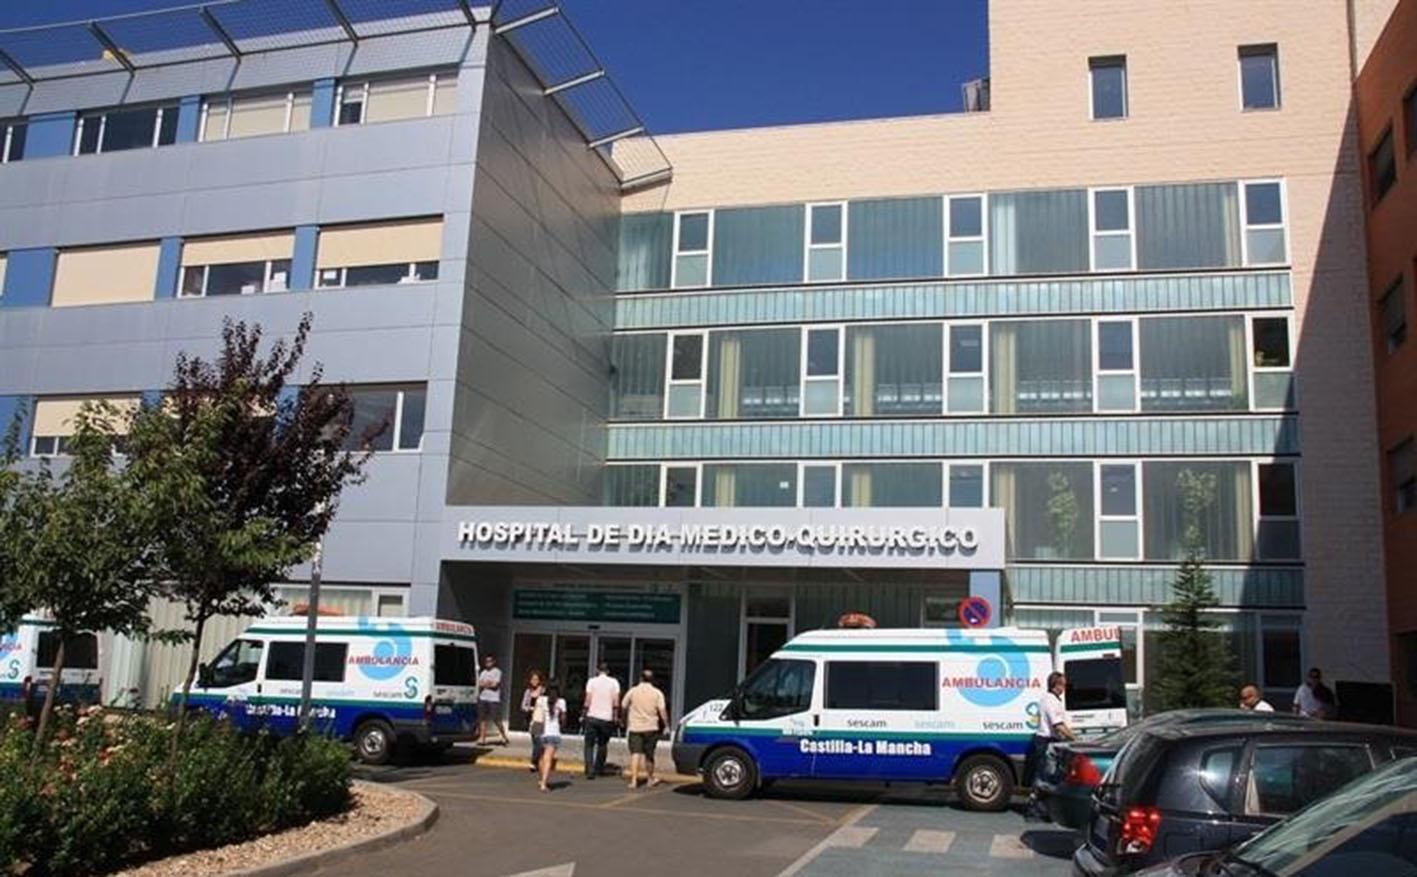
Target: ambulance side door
column 874, row 719
column 772, row 716
column 228, row 684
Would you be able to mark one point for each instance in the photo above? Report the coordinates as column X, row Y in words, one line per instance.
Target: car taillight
column 1139, row 825
column 428, row 708
column 1082, row 771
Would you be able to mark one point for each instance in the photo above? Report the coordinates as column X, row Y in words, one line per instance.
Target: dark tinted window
column 454, row 665
column 80, row 652
column 1109, row 87
column 1382, row 166
column 777, row 688
column 287, row 661
column 881, row 685
column 1217, row 768
column 1284, row 779
column 1095, row 685
column 236, row 665
column 17, row 142
column 128, row 129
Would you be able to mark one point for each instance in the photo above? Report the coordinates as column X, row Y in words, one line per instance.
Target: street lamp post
column 312, row 620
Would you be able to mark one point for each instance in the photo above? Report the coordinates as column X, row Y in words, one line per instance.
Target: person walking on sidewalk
column 645, row 719
column 489, row 700
column 553, row 706
column 602, row 705
column 535, row 717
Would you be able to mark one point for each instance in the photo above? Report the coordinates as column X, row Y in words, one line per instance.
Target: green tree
column 14, row 600
column 79, row 544
column 262, row 463
column 1195, row 664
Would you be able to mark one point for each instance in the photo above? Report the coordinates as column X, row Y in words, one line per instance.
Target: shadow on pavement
column 1055, row 843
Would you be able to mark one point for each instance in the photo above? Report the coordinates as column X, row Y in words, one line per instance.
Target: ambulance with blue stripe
column 378, row 682
column 927, row 705
column 27, row 665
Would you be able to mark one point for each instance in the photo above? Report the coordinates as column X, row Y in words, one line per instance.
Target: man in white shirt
column 489, row 700
column 1250, row 700
column 1314, row 699
column 602, row 705
column 1052, row 726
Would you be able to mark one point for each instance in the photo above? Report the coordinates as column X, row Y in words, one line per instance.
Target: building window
column 1039, row 232
column 966, row 486
column 1403, row 472
column 753, row 374
column 54, row 419
column 227, row 116
column 1048, row 508
column 380, row 253
column 1280, row 651
column 1409, row 118
column 1277, row 536
column 117, row 130
column 637, row 376
column 1264, row 223
column 236, row 265
column 1109, row 86
column 1116, row 365
column 386, row 100
column 826, row 242
column 894, row 370
column 964, row 252
column 1271, row 363
column 966, row 368
column 1040, row 366
column 631, row 486
column 693, row 241
column 749, row 485
column 766, row 626
column 105, row 275
column 685, row 395
column 1393, row 306
column 1193, row 363
column 1118, row 503
column 1382, row 166
column 818, row 486
column 386, row 418
column 1259, row 77
column 821, row 371
column 681, row 486
column 12, row 140
column 1211, row 498
column 892, row 485
column 1112, row 230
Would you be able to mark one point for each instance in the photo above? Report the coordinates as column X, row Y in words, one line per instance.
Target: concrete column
column 169, row 264
column 302, row 261
column 29, row 277
column 51, row 134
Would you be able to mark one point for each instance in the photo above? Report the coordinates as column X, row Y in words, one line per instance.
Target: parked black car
column 1180, row 789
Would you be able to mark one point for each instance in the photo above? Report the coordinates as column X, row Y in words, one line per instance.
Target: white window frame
column 1126, row 88
column 1135, row 518
column 706, row 253
column 807, row 246
column 1254, row 369
column 698, row 482
column 398, row 425
column 57, row 452
column 745, row 619
column 982, row 238
column 9, row 138
column 103, row 128
column 1098, row 371
column 206, row 277
column 1255, row 49
column 410, row 275
column 949, row 467
column 340, row 91
column 837, row 378
column 230, row 100
column 670, row 381
column 1296, row 518
column 948, row 360
column 1246, row 226
column 1095, row 232
column 834, row 465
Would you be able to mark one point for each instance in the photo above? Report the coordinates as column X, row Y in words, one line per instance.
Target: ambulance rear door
column 1091, row 659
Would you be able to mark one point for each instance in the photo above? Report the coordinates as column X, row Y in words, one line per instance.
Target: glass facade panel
column 1114, row 346
column 1274, row 390
column 822, row 352
column 757, row 245
column 1112, row 252
column 966, row 349
column 644, row 251
column 691, row 270
column 1277, row 540
column 821, row 396
column 824, row 263
column 1042, row 232
column 966, row 257
column 693, row 232
column 750, row 485
column 966, row 486
column 1211, row 498
column 1048, row 508
column 966, row 217
column 1265, row 246
column 1109, row 87
column 1193, row 225
column 1259, row 77
column 1263, row 205
column 1116, row 393
column 894, row 370
column 966, row 395
column 1110, row 211
column 631, row 486
column 1119, row 491
column 637, row 379
column 684, row 400
column 891, row 485
column 1040, row 366
column 1193, row 363
column 1271, row 342
column 826, row 224
column 1118, row 539
column 818, row 487
column 895, row 238
column 688, row 362
column 754, row 374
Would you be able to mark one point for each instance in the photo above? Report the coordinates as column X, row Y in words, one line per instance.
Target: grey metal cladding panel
column 389, row 492
column 502, row 220
column 1151, row 586
column 368, row 551
column 552, row 397
column 1087, row 437
column 536, row 350
column 955, row 298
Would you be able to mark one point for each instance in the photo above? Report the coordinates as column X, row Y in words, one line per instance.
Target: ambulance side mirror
column 204, row 675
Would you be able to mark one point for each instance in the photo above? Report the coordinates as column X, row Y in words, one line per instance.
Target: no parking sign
column 975, row 612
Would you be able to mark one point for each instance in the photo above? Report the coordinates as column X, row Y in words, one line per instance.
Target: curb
column 575, row 767
column 320, row 858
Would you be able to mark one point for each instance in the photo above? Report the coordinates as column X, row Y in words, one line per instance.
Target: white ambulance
column 928, row 705
column 27, row 665
column 378, row 681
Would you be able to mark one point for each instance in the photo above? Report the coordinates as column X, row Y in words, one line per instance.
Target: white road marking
column 926, row 840
column 1009, row 846
column 848, row 835
column 565, row 870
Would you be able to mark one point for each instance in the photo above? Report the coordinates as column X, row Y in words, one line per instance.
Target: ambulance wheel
column 984, row 782
column 374, row 742
column 730, row 773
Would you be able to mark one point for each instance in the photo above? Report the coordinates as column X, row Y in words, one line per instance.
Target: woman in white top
column 551, row 708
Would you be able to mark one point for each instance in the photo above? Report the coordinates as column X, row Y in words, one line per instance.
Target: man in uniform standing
column 1052, row 727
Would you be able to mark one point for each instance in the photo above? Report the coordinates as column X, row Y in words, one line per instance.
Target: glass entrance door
column 656, row 655
column 571, row 659
column 572, row 671
column 530, row 651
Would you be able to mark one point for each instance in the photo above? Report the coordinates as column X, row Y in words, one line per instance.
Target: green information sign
column 596, row 606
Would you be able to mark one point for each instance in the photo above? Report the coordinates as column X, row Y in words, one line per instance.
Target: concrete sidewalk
column 570, row 755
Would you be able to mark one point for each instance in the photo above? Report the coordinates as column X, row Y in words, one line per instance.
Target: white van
column 378, row 681
column 27, row 665
column 927, row 705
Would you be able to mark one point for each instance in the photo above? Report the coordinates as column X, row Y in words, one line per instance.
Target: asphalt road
column 495, row 822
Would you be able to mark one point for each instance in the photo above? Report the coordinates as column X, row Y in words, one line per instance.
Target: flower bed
column 107, row 791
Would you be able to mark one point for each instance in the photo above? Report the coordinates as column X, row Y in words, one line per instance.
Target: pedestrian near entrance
column 489, row 700
column 535, row 717
column 1250, row 700
column 645, row 719
column 602, row 706
column 1052, row 727
column 1314, row 699
column 553, row 706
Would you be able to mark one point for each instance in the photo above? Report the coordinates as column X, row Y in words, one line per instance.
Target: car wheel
column 984, row 782
column 374, row 742
column 730, row 773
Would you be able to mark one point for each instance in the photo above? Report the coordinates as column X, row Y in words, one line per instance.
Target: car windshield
column 1367, row 824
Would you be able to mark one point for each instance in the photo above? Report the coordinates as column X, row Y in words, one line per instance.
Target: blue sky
column 701, row 64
